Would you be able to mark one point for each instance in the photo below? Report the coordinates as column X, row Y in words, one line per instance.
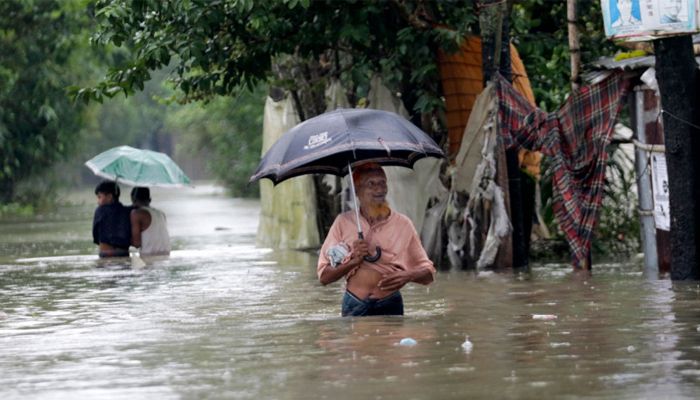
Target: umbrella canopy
column 138, row 167
column 329, row 142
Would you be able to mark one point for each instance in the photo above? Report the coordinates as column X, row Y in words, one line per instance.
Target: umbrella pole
column 357, row 218
column 354, row 201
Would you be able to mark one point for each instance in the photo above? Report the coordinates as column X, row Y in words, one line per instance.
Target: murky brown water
column 220, row 318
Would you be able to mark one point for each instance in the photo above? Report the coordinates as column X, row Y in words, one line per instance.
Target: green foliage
column 540, row 33
column 16, row 210
column 619, row 231
column 227, row 131
column 221, row 46
column 38, row 122
column 225, row 47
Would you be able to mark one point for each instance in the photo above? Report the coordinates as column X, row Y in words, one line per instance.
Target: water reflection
column 683, row 308
column 221, row 318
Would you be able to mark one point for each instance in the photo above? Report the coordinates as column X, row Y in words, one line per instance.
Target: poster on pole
column 659, row 182
column 636, row 20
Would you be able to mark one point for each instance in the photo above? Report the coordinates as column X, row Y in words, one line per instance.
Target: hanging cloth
column 575, row 138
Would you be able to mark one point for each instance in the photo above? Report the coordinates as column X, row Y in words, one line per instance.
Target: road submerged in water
column 221, row 318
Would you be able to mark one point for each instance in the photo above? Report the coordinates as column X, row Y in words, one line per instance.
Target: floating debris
column 559, row 344
column 467, row 346
column 408, row 342
column 544, row 317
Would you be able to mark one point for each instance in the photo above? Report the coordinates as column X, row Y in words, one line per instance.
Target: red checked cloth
column 575, row 137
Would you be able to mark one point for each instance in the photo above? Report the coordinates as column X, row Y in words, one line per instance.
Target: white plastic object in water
column 544, row 317
column 467, row 346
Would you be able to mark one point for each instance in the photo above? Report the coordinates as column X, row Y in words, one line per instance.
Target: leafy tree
column 539, row 31
column 226, row 130
column 222, row 45
column 219, row 47
column 38, row 122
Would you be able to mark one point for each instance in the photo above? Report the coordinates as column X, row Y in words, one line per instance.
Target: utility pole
column 676, row 73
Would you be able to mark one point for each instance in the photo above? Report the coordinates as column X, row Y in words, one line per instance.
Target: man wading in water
column 111, row 226
column 149, row 228
column 372, row 288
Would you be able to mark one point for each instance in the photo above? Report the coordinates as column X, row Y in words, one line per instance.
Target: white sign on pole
column 636, row 20
column 659, row 182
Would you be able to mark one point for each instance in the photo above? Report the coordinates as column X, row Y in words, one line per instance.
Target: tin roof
column 602, row 67
column 628, row 64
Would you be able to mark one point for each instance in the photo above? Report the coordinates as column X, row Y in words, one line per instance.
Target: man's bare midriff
column 363, row 284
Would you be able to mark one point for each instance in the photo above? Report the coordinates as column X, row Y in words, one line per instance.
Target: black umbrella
column 331, row 142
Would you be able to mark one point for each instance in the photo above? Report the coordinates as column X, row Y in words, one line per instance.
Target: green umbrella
column 137, row 167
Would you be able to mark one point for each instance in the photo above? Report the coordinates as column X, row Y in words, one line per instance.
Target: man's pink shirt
column 398, row 239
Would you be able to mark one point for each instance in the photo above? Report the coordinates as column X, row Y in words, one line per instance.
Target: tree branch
column 418, row 19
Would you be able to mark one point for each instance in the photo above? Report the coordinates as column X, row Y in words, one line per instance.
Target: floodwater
column 221, row 318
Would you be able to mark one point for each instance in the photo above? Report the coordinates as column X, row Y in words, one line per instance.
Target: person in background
column 149, row 228
column 111, row 224
column 372, row 288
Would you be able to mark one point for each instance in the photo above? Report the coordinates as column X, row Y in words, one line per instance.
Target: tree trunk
column 676, row 72
column 308, row 95
column 7, row 190
column 494, row 20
